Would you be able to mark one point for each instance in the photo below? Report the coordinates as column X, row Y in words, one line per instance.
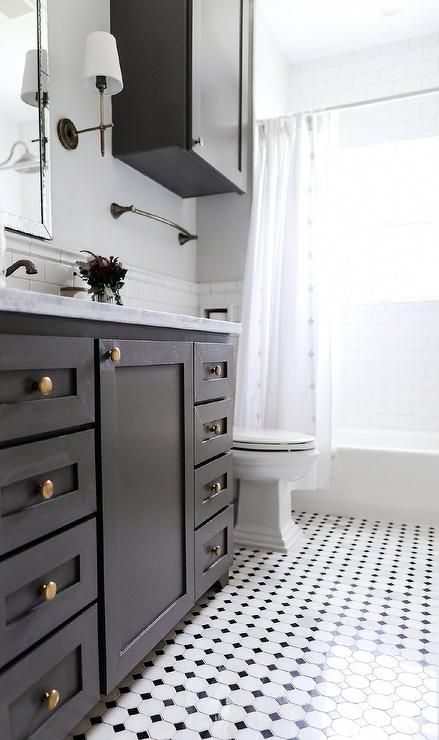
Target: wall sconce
column 102, row 74
column 33, row 82
column 27, row 163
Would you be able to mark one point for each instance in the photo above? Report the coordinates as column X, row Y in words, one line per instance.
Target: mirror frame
column 13, row 222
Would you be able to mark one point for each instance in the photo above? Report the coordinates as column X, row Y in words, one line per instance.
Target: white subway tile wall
column 142, row 289
column 392, row 69
column 227, row 295
column 412, row 118
column 390, row 367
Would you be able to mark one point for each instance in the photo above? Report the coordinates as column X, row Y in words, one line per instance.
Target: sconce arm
column 11, row 153
column 95, row 128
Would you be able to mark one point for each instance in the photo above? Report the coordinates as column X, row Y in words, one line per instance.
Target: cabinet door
column 220, row 72
column 147, row 496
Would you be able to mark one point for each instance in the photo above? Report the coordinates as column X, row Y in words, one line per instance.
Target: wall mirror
column 24, row 117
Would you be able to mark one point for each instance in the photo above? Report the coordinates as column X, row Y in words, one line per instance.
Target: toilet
column 268, row 462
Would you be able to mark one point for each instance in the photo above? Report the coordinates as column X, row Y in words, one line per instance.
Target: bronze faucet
column 27, row 264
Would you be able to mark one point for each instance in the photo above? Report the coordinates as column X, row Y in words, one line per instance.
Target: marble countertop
column 43, row 304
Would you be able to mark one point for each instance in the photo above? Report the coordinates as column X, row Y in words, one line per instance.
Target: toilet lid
column 271, row 439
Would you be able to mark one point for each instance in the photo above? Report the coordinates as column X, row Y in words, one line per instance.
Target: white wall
column 84, row 185
column 271, row 72
column 223, row 221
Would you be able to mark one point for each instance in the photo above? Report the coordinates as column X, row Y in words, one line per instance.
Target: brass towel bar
column 184, row 236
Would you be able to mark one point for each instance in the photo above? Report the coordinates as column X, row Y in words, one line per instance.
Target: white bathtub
column 381, row 474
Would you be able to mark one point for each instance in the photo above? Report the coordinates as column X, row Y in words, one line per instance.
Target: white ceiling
column 310, row 29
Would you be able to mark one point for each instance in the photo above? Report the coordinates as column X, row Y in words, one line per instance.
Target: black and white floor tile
column 341, row 641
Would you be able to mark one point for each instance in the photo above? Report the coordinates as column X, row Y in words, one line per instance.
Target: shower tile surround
column 390, row 367
column 341, row 641
column 389, row 374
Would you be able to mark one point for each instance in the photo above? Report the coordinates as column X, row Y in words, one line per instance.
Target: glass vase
column 106, row 296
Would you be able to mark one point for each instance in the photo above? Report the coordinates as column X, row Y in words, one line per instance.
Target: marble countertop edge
column 44, row 304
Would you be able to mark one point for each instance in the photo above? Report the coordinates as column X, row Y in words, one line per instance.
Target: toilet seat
column 272, row 440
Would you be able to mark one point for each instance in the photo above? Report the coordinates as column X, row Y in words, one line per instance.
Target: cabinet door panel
column 147, row 463
column 220, row 80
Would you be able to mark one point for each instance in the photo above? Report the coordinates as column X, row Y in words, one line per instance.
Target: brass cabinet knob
column 217, row 370
column 216, row 487
column 49, row 590
column 217, row 550
column 114, row 354
column 46, row 489
column 44, row 385
column 51, row 699
column 199, row 141
column 216, row 429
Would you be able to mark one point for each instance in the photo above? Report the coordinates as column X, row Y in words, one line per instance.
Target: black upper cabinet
column 182, row 117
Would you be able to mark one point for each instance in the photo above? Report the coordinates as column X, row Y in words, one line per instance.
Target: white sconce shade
column 101, row 59
column 29, row 87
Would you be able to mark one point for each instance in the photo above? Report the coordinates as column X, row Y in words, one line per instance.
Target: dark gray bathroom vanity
column 116, row 500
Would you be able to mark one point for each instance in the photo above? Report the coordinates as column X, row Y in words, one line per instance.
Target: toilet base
column 264, row 517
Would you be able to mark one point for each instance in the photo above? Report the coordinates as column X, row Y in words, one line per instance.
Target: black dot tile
column 358, row 600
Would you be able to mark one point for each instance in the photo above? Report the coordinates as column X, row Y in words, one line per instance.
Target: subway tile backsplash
column 55, row 265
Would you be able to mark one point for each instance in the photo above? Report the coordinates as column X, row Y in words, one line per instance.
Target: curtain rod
column 362, row 103
column 184, row 235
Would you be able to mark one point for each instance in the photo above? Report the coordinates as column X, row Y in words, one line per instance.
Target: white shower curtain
column 284, row 361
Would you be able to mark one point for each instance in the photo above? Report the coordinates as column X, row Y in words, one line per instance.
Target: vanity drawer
column 213, row 488
column 46, row 384
column 213, row 429
column 66, row 663
column 66, row 566
column 44, row 486
column 213, row 551
column 213, row 371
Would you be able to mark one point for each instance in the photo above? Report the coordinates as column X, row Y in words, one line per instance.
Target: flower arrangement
column 104, row 275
